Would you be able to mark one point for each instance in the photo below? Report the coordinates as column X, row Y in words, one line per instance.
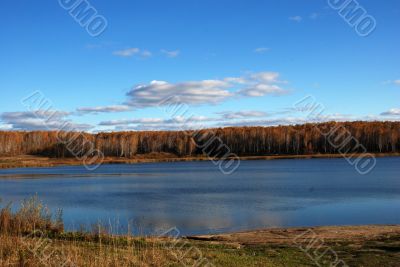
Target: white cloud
column 130, row 52
column 132, row 121
column 241, row 114
column 259, row 90
column 314, row 16
column 178, row 119
column 395, row 82
column 190, row 120
column 146, row 53
column 103, row 109
column 268, row 122
column 5, row 127
column 194, row 92
column 263, row 83
column 177, row 123
column 238, row 80
column 392, row 112
column 42, row 114
column 41, row 120
column 266, row 77
column 205, row 91
column 171, row 54
column 261, row 50
column 296, row 120
column 228, row 119
column 296, row 18
column 148, row 127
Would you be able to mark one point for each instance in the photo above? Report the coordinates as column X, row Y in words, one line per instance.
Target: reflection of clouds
column 151, row 203
column 188, row 224
column 212, row 224
column 209, row 219
column 265, row 220
column 197, row 199
column 186, row 216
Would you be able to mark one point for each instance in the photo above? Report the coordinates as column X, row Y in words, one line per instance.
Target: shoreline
column 368, row 246
column 28, row 161
column 286, row 235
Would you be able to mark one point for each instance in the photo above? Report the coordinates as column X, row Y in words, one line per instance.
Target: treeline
column 324, row 138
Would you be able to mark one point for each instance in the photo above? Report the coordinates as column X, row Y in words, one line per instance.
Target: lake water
column 197, row 198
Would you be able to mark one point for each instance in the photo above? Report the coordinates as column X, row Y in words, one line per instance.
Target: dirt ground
column 288, row 236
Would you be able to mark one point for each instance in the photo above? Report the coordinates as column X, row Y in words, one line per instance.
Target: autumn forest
column 325, row 138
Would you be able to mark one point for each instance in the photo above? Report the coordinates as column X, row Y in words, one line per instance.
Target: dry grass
column 43, row 251
column 32, row 216
column 38, row 251
column 33, row 237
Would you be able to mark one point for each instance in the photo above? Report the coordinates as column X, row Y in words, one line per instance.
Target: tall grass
column 32, row 216
column 32, row 235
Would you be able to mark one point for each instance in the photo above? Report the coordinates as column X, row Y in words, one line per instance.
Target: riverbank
column 367, row 246
column 33, row 236
column 28, row 161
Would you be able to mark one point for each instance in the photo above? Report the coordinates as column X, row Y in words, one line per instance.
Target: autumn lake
column 197, row 198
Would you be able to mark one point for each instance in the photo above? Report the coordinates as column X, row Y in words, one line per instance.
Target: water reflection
column 196, row 198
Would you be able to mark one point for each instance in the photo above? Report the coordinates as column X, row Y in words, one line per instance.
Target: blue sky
column 231, row 62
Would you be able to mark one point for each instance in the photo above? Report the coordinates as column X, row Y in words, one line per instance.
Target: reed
column 32, row 216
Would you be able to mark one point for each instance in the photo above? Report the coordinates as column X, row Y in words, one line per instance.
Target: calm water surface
column 197, row 199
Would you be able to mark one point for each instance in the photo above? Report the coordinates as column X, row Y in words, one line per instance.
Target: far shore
column 30, row 161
